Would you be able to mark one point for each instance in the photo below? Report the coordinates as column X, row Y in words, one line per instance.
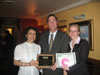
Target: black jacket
column 82, row 51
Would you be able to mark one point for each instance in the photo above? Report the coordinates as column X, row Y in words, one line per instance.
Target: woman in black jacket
column 81, row 49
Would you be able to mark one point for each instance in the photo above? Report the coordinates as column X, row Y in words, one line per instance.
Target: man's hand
column 54, row 67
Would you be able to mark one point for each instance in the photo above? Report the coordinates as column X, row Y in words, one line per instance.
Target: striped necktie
column 51, row 42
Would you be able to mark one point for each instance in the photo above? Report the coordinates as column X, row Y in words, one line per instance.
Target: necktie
column 51, row 42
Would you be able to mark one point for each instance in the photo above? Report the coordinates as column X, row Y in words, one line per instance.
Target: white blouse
column 27, row 52
column 77, row 42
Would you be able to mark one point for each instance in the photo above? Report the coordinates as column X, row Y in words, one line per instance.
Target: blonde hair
column 76, row 25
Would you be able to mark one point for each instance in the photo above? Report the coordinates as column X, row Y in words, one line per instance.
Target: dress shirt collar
column 29, row 44
column 77, row 42
column 54, row 33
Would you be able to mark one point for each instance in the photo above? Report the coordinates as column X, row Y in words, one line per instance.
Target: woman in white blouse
column 25, row 54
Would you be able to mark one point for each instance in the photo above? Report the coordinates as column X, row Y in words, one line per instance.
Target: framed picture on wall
column 62, row 25
column 86, row 31
column 63, row 28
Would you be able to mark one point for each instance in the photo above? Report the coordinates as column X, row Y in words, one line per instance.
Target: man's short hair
column 53, row 16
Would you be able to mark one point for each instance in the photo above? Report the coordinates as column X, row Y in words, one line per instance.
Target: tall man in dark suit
column 53, row 41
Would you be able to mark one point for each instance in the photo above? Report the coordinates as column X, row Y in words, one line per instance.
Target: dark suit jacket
column 60, row 45
column 82, row 51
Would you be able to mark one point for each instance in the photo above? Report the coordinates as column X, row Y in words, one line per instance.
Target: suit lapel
column 47, row 44
column 69, row 49
column 75, row 48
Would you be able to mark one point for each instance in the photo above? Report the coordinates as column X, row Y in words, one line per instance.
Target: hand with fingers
column 54, row 66
column 34, row 63
column 66, row 68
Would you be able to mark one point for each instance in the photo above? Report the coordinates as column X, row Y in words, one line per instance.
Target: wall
column 27, row 22
column 92, row 11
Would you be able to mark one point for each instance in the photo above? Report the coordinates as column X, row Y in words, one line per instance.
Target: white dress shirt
column 54, row 35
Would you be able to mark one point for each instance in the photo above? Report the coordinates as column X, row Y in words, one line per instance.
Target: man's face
column 52, row 22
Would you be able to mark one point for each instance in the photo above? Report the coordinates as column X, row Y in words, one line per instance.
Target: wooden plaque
column 46, row 60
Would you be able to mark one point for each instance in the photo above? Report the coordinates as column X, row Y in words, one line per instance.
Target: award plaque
column 65, row 59
column 45, row 60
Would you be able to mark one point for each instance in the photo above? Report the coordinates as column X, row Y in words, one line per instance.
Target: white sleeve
column 17, row 53
column 39, row 50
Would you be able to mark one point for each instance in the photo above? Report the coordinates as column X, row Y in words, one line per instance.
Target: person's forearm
column 65, row 72
column 75, row 67
column 18, row 63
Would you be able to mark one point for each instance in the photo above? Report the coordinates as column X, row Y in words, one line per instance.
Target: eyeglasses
column 73, row 31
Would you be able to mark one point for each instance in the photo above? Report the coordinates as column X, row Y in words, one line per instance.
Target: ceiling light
column 8, row 2
column 35, row 11
column 79, row 17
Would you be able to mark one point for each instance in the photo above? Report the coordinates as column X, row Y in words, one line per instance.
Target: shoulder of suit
column 83, row 41
column 45, row 33
column 58, row 32
column 62, row 33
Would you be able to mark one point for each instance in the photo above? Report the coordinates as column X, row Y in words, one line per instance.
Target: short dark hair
column 50, row 16
column 26, row 31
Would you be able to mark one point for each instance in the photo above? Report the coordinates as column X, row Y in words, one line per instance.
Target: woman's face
column 31, row 36
column 74, row 33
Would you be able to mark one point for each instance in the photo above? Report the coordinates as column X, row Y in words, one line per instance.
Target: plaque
column 65, row 59
column 45, row 60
